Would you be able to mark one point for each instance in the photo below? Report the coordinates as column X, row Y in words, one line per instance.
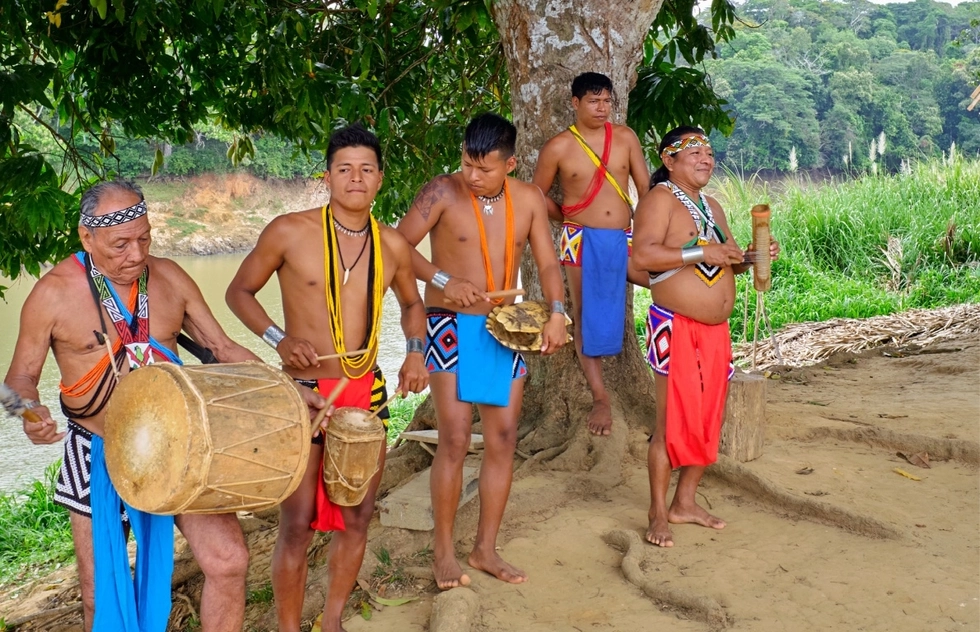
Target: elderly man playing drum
column 479, row 221
column 682, row 237
column 113, row 294
column 334, row 265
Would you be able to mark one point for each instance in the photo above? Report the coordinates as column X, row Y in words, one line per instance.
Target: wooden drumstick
column 375, row 414
column 15, row 406
column 331, row 398
column 334, row 356
column 348, row 354
column 497, row 294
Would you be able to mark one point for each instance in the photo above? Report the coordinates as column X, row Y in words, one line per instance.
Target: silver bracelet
column 557, row 307
column 273, row 336
column 692, row 255
column 440, row 279
column 414, row 345
column 31, row 403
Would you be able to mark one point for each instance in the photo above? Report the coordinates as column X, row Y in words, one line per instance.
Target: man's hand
column 297, row 353
column 42, row 432
column 464, row 293
column 773, row 250
column 727, row 254
column 314, row 404
column 553, row 334
column 413, row 377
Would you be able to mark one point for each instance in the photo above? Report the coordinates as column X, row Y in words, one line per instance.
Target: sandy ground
column 878, row 551
column 851, row 545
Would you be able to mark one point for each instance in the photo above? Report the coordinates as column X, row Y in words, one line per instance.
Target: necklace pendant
column 346, row 276
column 488, row 209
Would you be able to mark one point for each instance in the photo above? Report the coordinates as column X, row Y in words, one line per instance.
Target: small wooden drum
column 354, row 440
column 206, row 439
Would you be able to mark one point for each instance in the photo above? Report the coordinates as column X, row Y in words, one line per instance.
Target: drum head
column 150, row 421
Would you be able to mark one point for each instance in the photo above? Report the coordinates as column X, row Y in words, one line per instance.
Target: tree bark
column 546, row 44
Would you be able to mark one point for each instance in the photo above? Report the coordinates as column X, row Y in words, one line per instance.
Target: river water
column 24, row 462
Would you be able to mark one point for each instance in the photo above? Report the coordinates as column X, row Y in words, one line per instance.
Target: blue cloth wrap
column 604, row 261
column 122, row 604
column 484, row 367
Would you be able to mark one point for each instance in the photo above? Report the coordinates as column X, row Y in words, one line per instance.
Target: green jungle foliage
column 813, row 84
column 34, row 532
column 91, row 89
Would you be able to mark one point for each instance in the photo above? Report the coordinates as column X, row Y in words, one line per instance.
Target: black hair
column 590, row 82
column 93, row 195
column 487, row 133
column 355, row 135
column 671, row 137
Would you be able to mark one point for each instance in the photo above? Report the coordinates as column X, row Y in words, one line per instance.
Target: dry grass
column 802, row 344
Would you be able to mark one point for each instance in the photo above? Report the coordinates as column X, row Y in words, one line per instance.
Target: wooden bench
column 429, row 438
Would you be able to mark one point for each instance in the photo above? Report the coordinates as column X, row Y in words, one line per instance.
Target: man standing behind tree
column 595, row 244
column 334, row 265
column 479, row 221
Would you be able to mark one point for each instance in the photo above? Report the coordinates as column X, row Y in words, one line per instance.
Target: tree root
column 962, row 450
column 42, row 614
column 743, row 478
column 698, row 607
column 539, row 457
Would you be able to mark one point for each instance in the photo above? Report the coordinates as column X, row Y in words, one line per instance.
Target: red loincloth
column 597, row 178
column 327, row 516
column 697, row 385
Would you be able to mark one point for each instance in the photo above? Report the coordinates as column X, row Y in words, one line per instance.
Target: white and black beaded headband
column 115, row 218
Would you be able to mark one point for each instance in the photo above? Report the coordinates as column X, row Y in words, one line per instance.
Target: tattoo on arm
column 430, row 195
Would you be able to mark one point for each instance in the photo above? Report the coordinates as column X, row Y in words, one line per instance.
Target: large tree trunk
column 547, row 43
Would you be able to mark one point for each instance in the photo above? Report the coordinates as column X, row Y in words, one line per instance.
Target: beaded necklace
column 508, row 243
column 356, row 366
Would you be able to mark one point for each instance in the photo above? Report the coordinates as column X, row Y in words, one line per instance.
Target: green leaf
column 366, row 611
column 102, row 6
column 157, row 162
column 393, row 602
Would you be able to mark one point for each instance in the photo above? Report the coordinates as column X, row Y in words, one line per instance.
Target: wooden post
column 744, row 429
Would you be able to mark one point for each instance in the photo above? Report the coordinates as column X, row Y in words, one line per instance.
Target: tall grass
column 860, row 248
column 402, row 411
column 34, row 532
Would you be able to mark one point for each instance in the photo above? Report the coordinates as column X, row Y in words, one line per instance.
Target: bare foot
column 449, row 574
column 694, row 514
column 600, row 418
column 496, row 566
column 659, row 533
column 319, row 627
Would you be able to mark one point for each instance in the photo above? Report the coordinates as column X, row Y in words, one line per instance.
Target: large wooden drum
column 206, row 439
column 354, row 440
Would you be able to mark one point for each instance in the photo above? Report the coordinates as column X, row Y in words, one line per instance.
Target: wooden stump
column 744, row 429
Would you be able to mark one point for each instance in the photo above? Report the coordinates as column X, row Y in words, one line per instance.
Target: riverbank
column 222, row 213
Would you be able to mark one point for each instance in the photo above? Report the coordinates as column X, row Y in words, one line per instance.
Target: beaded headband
column 115, row 218
column 680, row 145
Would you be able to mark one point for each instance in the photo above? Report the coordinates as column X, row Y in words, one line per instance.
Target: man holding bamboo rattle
column 334, row 265
column 682, row 237
column 479, row 221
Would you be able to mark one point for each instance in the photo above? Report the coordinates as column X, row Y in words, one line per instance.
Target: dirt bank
column 222, row 213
